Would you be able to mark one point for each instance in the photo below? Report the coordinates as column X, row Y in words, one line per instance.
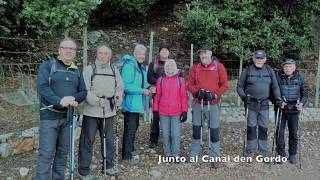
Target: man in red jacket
column 207, row 82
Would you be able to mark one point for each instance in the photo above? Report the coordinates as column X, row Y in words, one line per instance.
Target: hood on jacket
column 175, row 69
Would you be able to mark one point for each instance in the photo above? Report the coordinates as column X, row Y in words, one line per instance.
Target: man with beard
column 207, row 82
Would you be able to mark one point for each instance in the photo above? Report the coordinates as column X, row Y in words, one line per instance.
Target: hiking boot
column 87, row 177
column 249, row 154
column 152, row 145
column 214, row 165
column 293, row 159
column 134, row 161
column 111, row 171
column 264, row 155
column 281, row 157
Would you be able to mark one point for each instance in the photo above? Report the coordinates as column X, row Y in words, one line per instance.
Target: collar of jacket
column 101, row 65
column 133, row 60
column 295, row 73
column 71, row 65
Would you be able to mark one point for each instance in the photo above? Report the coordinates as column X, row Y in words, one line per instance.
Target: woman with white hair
column 171, row 101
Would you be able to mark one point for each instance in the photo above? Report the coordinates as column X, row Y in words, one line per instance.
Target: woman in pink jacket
column 171, row 100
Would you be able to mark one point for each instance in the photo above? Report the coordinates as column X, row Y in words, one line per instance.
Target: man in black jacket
column 60, row 85
column 255, row 85
column 156, row 70
column 295, row 91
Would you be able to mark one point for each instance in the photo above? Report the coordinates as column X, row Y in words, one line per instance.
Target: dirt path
column 231, row 144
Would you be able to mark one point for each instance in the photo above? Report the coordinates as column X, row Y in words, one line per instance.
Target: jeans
column 53, row 148
column 171, row 131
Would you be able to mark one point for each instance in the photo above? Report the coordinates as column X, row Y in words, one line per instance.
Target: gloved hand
column 210, row 96
column 200, row 94
column 183, row 116
column 247, row 99
column 279, row 103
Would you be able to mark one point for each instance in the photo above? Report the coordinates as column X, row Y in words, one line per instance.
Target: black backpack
column 269, row 69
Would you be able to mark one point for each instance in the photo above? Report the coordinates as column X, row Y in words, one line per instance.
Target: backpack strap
column 215, row 63
column 53, row 69
column 94, row 73
column 114, row 74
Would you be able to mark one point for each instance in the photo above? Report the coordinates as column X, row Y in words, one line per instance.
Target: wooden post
column 148, row 113
column 151, row 47
column 191, row 56
column 317, row 82
column 240, row 70
column 85, row 47
column 191, row 64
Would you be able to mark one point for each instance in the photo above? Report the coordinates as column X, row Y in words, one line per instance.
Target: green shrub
column 237, row 28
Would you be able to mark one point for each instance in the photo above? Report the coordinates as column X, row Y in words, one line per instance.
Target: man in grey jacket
column 255, row 85
column 105, row 90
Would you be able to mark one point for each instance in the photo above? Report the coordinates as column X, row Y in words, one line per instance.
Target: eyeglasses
column 68, row 48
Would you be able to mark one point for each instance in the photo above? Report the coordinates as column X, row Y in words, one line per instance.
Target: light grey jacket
column 101, row 86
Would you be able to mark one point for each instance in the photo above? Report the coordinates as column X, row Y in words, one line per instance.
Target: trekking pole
column 299, row 137
column 104, row 142
column 245, row 128
column 208, row 125
column 73, row 119
column 275, row 133
column 117, row 139
column 201, row 140
column 280, row 118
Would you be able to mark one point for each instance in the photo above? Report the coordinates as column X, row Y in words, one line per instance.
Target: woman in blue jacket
column 134, row 77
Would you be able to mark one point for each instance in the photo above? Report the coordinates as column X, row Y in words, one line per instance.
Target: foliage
column 8, row 13
column 124, row 11
column 48, row 16
column 128, row 7
column 238, row 28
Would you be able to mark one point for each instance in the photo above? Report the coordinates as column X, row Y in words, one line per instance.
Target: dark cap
column 289, row 61
column 259, row 54
column 204, row 47
column 164, row 45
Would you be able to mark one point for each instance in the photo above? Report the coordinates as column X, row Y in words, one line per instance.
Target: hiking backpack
column 94, row 73
column 269, row 69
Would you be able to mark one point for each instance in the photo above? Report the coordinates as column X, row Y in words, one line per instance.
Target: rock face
column 5, row 150
column 25, row 146
column 19, row 142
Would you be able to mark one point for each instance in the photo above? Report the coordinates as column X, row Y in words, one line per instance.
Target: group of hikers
column 104, row 88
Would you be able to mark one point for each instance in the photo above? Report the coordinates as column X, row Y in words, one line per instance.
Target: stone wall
column 21, row 142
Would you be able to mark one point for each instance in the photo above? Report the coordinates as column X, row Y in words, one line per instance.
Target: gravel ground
column 231, row 145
